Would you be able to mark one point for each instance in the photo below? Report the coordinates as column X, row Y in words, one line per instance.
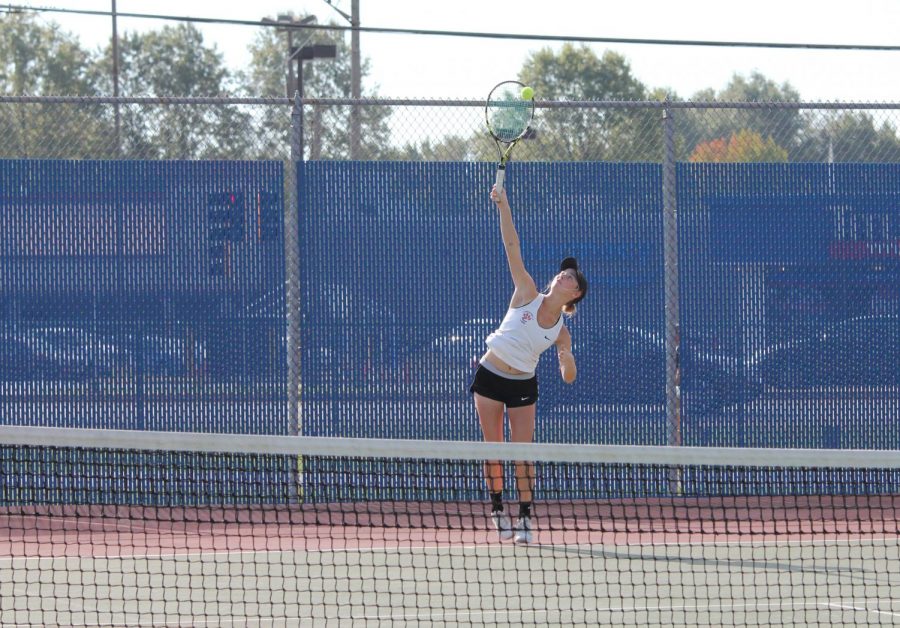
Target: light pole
column 308, row 53
column 355, row 80
column 287, row 23
column 115, row 71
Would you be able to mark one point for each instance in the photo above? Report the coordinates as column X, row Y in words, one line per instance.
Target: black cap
column 571, row 262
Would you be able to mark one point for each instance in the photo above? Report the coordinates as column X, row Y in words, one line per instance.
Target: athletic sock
column 496, row 502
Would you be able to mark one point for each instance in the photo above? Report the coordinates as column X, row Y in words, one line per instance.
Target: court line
column 783, row 565
column 867, row 610
column 745, row 606
column 506, row 614
column 449, row 545
column 892, row 540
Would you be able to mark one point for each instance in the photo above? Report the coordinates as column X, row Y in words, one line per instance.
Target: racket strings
column 508, row 114
column 509, row 119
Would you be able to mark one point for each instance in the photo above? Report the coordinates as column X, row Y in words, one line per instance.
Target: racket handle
column 501, row 175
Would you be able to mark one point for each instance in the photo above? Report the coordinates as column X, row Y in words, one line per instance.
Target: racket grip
column 501, row 176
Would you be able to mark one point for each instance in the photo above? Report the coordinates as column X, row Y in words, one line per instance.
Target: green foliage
column 43, row 60
column 784, row 125
column 450, row 148
column 577, row 73
column 849, row 136
column 744, row 146
column 175, row 61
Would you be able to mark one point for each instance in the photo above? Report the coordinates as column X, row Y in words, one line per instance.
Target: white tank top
column 520, row 340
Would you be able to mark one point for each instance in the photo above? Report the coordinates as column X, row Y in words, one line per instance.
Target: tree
column 449, row 148
column 743, row 146
column 577, row 73
column 849, row 136
column 37, row 59
column 784, row 125
column 42, row 60
column 326, row 128
column 174, row 61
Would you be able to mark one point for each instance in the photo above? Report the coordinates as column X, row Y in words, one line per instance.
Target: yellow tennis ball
column 527, row 93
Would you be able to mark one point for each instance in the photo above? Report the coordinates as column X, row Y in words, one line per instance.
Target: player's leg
column 521, row 430
column 490, row 414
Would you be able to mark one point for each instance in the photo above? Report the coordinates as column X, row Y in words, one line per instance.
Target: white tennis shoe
column 503, row 524
column 523, row 531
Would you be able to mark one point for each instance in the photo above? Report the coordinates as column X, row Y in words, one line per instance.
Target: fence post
column 670, row 248
column 292, row 263
column 297, row 129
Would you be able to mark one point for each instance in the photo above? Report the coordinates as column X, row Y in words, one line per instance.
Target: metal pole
column 291, row 86
column 670, row 248
column 292, row 265
column 355, row 80
column 673, row 324
column 300, row 82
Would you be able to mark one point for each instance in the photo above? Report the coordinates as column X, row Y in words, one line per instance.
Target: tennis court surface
column 154, row 529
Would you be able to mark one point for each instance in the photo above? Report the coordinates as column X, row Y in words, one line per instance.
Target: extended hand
column 499, row 198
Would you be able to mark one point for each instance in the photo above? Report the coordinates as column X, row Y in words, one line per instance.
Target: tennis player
column 506, row 380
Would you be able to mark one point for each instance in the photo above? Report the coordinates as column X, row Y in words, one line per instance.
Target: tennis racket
column 508, row 117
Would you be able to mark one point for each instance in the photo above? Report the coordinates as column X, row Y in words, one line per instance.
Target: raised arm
column 525, row 288
column 566, row 360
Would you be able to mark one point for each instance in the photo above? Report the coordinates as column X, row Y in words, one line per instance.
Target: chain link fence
column 827, row 159
column 430, row 130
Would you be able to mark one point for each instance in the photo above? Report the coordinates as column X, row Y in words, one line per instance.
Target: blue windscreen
column 151, row 295
column 787, row 294
column 143, row 295
column 790, row 297
column 404, row 274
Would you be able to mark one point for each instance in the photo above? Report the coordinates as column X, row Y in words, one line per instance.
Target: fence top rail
column 372, row 102
column 611, row 104
column 143, row 100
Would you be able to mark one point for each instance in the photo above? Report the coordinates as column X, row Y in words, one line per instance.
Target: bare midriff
column 495, row 361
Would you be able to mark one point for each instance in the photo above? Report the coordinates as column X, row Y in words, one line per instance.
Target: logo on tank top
column 526, row 317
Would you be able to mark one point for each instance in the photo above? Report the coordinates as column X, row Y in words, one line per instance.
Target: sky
column 410, row 66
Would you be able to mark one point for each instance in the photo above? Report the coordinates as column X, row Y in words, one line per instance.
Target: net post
column 671, row 287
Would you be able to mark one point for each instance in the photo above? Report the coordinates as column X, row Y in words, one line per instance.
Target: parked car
column 71, row 353
column 350, row 344
column 447, row 363
column 860, row 351
column 18, row 360
column 169, row 356
column 616, row 365
column 627, row 365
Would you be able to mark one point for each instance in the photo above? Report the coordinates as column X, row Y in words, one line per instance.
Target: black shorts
column 515, row 393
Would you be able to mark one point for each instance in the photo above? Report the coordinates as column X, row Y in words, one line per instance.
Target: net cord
column 448, row 450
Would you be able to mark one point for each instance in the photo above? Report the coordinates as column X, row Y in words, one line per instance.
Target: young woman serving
column 506, row 380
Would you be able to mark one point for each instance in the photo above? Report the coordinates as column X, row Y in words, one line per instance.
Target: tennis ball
column 527, row 93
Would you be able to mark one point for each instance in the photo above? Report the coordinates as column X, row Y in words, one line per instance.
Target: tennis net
column 103, row 527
